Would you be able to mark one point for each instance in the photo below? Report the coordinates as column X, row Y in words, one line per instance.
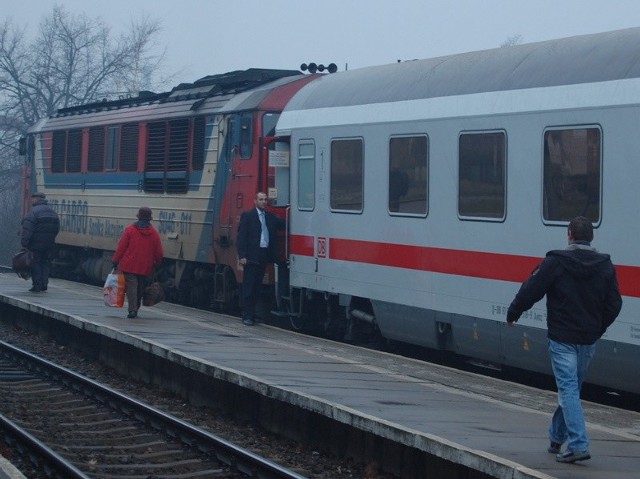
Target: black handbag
column 22, row 262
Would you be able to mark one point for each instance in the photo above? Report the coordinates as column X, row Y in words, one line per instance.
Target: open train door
column 279, row 193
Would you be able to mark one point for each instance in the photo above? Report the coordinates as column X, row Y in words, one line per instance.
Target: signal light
column 312, row 67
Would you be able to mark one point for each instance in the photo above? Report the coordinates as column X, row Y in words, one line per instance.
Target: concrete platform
column 8, row 471
column 491, row 426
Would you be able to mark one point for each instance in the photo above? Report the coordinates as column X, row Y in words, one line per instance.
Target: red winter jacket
column 139, row 249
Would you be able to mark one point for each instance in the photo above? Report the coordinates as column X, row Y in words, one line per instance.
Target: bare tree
column 512, row 40
column 72, row 60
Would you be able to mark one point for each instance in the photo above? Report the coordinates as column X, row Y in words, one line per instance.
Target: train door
column 279, row 172
column 278, row 190
column 235, row 185
column 239, row 177
column 243, row 170
column 276, row 161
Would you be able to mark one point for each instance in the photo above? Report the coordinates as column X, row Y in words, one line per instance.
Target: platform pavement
column 9, row 471
column 487, row 424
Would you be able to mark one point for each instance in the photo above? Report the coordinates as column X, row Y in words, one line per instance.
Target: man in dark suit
column 257, row 246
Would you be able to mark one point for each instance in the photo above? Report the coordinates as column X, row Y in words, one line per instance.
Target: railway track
column 73, row 427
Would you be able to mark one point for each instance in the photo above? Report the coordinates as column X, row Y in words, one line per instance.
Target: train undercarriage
column 214, row 287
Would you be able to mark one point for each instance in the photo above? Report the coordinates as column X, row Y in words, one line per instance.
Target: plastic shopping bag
column 114, row 290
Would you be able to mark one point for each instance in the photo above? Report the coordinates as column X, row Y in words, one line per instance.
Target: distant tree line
column 69, row 60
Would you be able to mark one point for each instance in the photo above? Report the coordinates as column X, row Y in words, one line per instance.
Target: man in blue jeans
column 583, row 300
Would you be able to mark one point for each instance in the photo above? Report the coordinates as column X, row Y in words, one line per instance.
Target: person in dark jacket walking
column 139, row 251
column 40, row 227
column 257, row 246
column 583, row 300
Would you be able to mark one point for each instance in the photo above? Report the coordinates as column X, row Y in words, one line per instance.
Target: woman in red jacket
column 139, row 251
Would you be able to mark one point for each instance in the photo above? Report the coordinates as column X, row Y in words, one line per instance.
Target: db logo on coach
column 322, row 247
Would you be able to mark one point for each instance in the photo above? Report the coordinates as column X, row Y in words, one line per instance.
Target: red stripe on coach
column 438, row 260
column 476, row 264
column 302, row 245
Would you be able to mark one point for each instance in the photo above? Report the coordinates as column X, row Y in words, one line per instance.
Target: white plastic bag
column 113, row 290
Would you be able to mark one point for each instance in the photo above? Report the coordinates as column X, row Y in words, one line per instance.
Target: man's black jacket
column 583, row 297
column 249, row 231
column 40, row 227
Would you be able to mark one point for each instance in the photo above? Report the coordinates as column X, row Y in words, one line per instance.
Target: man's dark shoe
column 570, row 457
column 132, row 314
column 257, row 319
column 248, row 321
column 554, row 447
column 36, row 290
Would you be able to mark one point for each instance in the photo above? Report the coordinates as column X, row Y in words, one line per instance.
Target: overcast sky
column 205, row 37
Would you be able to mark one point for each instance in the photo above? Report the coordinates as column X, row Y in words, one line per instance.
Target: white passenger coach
column 424, row 192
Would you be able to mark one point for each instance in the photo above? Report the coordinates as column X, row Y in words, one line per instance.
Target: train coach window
column 572, row 174
column 481, row 175
column 408, row 162
column 347, row 185
column 306, row 175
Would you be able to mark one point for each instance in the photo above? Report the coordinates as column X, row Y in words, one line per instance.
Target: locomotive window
column 269, row 121
column 74, row 151
column 113, row 146
column 306, row 175
column 347, row 170
column 58, row 149
column 481, row 175
column 129, row 147
column 408, row 173
column 96, row 149
column 572, row 174
column 246, row 145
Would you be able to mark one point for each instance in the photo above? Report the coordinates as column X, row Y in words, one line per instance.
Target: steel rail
column 63, row 468
column 226, row 452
